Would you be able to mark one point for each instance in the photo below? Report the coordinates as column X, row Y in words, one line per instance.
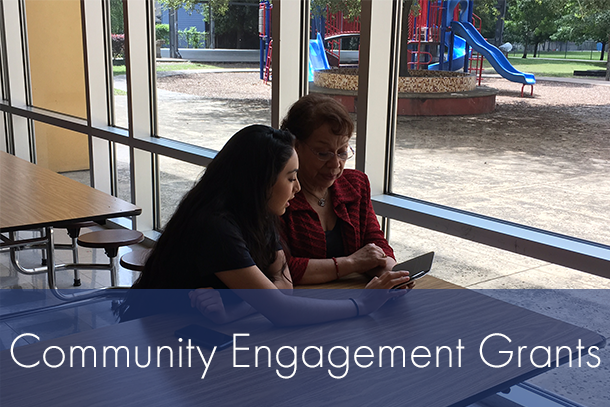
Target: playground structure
column 441, row 40
column 441, row 27
column 266, row 42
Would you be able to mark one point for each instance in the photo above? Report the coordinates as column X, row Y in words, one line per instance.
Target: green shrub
column 162, row 33
column 118, row 45
column 193, row 38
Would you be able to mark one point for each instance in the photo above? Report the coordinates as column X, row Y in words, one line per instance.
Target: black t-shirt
column 220, row 247
column 204, row 247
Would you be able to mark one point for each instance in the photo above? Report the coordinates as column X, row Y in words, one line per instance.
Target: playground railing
column 415, row 59
column 477, row 22
column 335, row 49
column 337, row 24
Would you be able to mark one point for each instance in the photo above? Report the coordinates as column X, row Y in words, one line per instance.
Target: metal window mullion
column 568, row 251
column 288, row 59
column 31, row 139
column 17, row 86
column 304, row 47
column 96, row 81
column 139, row 101
column 377, row 88
column 7, row 120
column 171, row 148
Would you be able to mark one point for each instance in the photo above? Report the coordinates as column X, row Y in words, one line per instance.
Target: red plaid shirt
column 303, row 231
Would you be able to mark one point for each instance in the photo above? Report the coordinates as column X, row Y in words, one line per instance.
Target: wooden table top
column 356, row 280
column 32, row 197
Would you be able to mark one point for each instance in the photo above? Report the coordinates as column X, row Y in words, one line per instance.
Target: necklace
column 322, row 200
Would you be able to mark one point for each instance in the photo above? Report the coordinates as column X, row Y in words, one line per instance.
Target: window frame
column 381, row 22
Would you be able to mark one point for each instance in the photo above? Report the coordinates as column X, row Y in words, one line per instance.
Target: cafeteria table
column 33, row 197
column 425, row 317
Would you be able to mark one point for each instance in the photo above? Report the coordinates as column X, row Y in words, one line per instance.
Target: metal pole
column 173, row 33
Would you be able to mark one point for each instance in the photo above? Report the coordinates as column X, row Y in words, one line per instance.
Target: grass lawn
column 584, row 55
column 545, row 67
column 169, row 66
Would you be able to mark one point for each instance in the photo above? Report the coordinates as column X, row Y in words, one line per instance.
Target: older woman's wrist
column 390, row 263
column 344, row 266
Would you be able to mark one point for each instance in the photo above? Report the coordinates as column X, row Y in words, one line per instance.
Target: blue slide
column 317, row 56
column 495, row 57
column 459, row 49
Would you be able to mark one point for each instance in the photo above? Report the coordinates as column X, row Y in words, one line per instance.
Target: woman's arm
column 279, row 273
column 209, row 303
column 287, row 310
column 368, row 259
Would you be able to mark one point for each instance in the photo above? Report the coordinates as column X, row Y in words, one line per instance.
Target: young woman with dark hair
column 224, row 235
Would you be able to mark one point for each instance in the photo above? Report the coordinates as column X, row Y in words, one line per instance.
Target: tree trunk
column 403, row 69
column 525, row 51
column 601, row 58
column 608, row 64
column 173, row 34
column 501, row 6
column 535, row 50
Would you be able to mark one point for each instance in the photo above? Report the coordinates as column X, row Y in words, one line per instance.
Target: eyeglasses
column 328, row 155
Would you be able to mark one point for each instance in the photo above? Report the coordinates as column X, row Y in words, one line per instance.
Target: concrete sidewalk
column 588, row 81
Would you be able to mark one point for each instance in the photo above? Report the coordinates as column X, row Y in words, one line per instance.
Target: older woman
column 330, row 226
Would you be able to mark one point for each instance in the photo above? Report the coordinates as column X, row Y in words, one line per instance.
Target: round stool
column 110, row 240
column 135, row 260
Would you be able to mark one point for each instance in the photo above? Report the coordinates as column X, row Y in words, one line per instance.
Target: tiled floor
column 53, row 324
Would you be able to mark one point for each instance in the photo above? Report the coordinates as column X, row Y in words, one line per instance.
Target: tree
column 207, row 9
column 350, row 8
column 238, row 25
column 531, row 22
column 116, row 17
column 599, row 29
column 586, row 20
column 219, row 7
column 499, row 34
column 488, row 12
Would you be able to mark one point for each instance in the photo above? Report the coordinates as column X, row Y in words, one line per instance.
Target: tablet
column 417, row 267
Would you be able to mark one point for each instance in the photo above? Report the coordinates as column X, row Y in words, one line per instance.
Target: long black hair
column 237, row 183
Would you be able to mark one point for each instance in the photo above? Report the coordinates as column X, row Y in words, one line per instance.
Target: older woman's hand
column 367, row 258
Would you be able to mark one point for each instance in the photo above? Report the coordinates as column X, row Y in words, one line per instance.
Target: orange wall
column 58, row 79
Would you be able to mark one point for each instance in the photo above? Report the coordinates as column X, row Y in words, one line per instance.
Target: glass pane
column 517, row 279
column 3, row 133
column 3, row 90
column 62, row 150
column 56, row 56
column 537, row 160
column 334, row 45
column 206, row 103
column 84, row 177
column 118, row 64
column 123, row 171
column 176, row 178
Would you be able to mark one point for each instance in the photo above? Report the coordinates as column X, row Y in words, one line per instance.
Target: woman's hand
column 367, row 258
column 380, row 290
column 209, row 303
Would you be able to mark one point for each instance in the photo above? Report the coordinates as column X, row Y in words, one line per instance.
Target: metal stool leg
column 112, row 255
column 73, row 233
